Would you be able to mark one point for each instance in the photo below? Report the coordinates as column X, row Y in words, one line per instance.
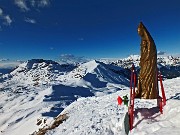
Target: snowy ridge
column 97, row 71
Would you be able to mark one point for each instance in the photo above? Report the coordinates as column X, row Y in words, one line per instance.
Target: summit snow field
column 103, row 116
column 37, row 91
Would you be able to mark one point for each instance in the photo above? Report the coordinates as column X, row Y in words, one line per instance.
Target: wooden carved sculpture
column 147, row 81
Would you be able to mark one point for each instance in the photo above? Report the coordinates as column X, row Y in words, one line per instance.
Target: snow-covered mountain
column 96, row 75
column 127, row 62
column 39, row 71
column 39, row 90
column 168, row 65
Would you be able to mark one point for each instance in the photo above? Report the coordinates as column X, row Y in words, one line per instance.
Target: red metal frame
column 132, row 95
column 161, row 100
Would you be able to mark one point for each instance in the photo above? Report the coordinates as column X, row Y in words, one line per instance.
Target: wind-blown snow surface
column 39, row 90
column 102, row 115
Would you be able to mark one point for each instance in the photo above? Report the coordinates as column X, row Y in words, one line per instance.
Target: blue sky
column 91, row 28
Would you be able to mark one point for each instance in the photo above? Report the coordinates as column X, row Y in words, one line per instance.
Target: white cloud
column 70, row 58
column 1, row 11
column 51, row 48
column 161, row 53
column 25, row 5
column 22, row 4
column 9, row 64
column 29, row 20
column 81, row 39
column 6, row 18
column 43, row 3
column 33, row 3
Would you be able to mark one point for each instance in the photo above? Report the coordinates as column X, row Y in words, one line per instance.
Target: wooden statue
column 147, row 81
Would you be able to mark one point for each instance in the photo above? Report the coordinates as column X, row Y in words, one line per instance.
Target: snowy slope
column 102, row 115
column 38, row 90
column 41, row 89
column 26, row 96
column 97, row 76
column 19, row 112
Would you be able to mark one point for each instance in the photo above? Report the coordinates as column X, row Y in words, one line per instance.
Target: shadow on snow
column 95, row 82
column 147, row 113
column 64, row 95
column 176, row 97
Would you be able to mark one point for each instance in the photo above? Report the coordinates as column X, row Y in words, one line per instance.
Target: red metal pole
column 131, row 86
column 131, row 117
column 162, row 89
column 132, row 95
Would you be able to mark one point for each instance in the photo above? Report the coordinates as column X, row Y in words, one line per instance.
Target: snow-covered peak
column 39, row 71
column 91, row 65
column 164, row 60
column 36, row 64
column 94, row 65
column 96, row 74
column 169, row 60
column 133, row 58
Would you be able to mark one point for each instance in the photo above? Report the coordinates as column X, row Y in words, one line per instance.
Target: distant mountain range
column 168, row 65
